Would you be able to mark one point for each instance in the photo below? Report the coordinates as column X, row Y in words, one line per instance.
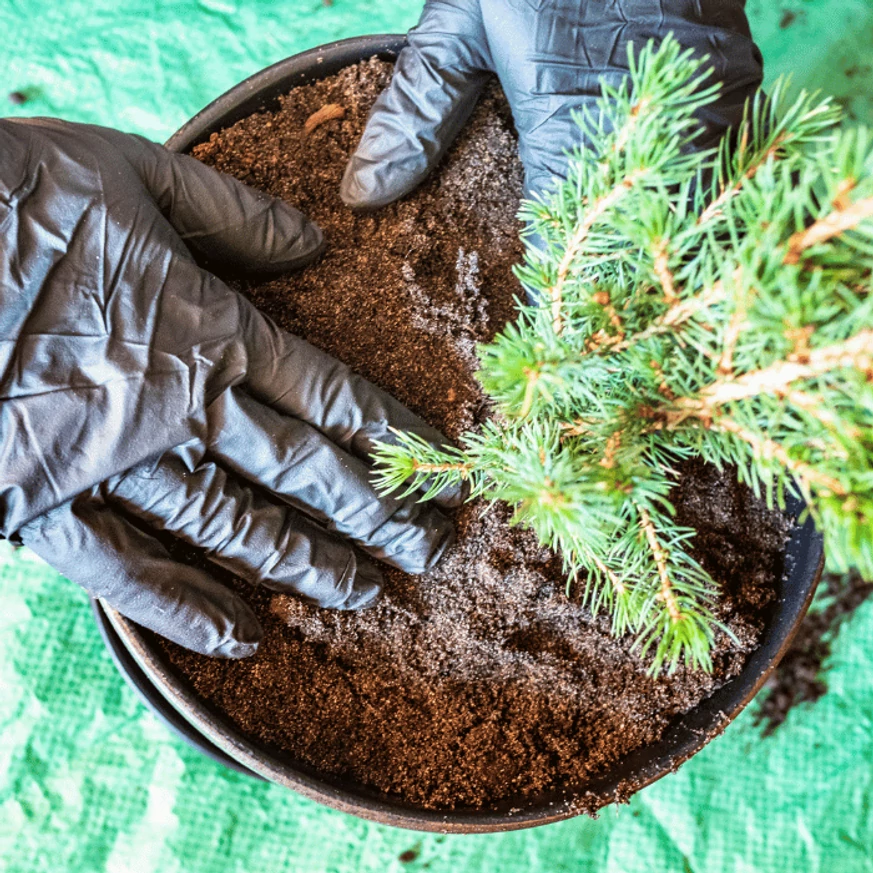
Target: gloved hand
column 140, row 393
column 549, row 56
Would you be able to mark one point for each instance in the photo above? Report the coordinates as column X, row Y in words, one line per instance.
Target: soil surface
column 800, row 677
column 481, row 681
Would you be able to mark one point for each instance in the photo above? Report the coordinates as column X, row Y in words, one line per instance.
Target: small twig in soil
column 328, row 112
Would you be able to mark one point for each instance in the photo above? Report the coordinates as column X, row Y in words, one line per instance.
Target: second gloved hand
column 550, row 57
column 141, row 394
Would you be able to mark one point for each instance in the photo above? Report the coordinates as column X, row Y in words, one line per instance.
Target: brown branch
column 637, row 110
column 612, row 446
column 814, row 409
column 617, row 584
column 666, row 594
column 663, row 388
column 602, row 339
column 855, row 353
column 731, row 336
column 735, row 327
column 601, row 205
column 716, row 206
column 440, row 468
column 767, row 448
column 550, row 498
column 678, row 314
column 841, row 198
column 665, row 277
column 800, row 337
column 574, row 428
column 602, row 299
column 843, row 218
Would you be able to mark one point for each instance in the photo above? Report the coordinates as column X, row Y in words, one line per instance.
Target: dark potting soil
column 481, row 680
column 800, row 677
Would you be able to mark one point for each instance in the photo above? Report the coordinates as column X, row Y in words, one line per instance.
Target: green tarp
column 91, row 782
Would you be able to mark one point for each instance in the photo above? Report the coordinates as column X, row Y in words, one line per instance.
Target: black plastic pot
column 148, row 669
column 146, row 690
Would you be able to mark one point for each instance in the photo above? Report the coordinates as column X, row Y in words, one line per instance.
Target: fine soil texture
column 481, row 682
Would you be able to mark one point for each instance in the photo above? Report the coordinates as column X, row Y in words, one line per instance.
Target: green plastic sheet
column 91, row 782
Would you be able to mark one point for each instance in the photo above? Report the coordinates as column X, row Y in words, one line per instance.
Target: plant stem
column 665, row 277
column 843, row 218
column 419, row 467
column 808, row 404
column 666, row 594
column 617, row 584
column 727, row 194
column 678, row 314
column 598, row 208
column 767, row 448
column 855, row 352
column 533, row 377
column 731, row 336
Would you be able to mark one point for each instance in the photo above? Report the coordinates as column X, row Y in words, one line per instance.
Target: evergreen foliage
column 713, row 303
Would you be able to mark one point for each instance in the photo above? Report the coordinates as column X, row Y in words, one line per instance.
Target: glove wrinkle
column 348, row 410
column 302, row 468
column 121, row 357
column 132, row 572
column 239, row 529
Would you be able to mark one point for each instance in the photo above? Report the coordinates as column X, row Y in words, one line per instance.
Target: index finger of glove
column 297, row 379
column 233, row 225
column 301, row 467
column 129, row 569
column 437, row 79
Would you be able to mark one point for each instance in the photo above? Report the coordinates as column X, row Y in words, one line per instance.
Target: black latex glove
column 550, row 56
column 139, row 393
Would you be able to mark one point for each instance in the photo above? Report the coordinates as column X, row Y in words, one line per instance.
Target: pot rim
column 684, row 736
column 153, row 699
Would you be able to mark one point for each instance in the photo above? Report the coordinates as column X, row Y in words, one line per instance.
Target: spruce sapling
column 689, row 302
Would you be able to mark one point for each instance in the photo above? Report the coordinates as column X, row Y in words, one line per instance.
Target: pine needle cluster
column 689, row 302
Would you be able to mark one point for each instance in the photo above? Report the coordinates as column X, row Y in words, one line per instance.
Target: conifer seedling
column 713, row 302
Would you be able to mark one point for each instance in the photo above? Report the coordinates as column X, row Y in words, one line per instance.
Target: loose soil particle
column 800, row 675
column 480, row 681
column 789, row 16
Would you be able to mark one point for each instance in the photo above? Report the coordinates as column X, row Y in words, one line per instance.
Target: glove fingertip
column 365, row 184
column 538, row 184
column 292, row 241
column 440, row 545
column 432, row 536
column 243, row 637
column 309, row 246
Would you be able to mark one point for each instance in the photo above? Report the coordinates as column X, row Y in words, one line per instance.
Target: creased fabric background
column 91, row 782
